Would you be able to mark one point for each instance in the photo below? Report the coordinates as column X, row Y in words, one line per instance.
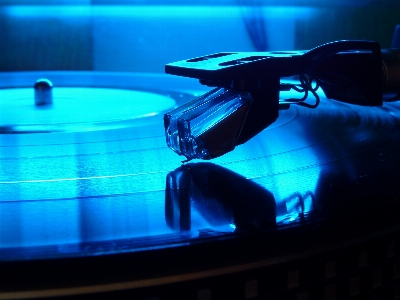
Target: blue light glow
column 144, row 38
column 170, row 11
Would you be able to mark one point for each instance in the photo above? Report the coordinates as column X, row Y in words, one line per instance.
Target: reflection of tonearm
column 246, row 98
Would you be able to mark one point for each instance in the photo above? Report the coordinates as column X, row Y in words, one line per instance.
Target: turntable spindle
column 43, row 92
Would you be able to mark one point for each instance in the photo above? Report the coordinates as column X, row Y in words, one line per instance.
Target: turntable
column 94, row 203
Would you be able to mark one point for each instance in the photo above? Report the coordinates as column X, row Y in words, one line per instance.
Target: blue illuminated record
column 122, row 171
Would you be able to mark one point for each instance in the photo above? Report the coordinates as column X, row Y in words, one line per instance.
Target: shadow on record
column 218, row 196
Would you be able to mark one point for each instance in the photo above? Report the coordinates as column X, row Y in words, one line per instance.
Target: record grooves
column 107, row 207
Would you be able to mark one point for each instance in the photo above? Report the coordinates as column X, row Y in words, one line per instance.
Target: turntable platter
column 116, row 193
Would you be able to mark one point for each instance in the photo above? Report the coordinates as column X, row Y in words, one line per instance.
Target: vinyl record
column 93, row 200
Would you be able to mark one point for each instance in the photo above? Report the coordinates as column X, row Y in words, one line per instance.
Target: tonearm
column 246, row 98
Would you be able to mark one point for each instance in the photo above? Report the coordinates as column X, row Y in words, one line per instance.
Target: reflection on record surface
column 220, row 198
